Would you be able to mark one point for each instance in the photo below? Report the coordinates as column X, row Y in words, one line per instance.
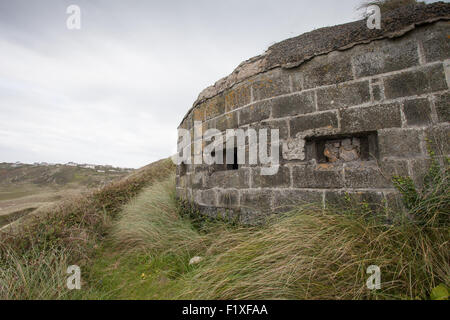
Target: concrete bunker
column 352, row 109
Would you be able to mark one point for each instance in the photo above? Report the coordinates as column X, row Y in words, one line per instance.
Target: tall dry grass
column 151, row 222
column 309, row 253
column 37, row 275
column 35, row 255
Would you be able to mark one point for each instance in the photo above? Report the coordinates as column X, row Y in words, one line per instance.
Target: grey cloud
column 115, row 91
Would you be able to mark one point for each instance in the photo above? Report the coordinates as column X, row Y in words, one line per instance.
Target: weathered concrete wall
column 348, row 121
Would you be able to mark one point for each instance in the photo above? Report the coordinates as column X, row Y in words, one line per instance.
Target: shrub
column 77, row 224
column 429, row 205
column 387, row 5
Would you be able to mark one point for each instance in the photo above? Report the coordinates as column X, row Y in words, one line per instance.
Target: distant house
column 45, row 164
column 17, row 164
column 101, row 171
column 71, row 164
column 88, row 166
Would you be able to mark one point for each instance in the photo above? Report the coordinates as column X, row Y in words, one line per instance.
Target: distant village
column 96, row 167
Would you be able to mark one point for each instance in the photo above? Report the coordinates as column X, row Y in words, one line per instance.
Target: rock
column 346, row 142
column 349, row 155
column 294, row 149
column 195, row 260
column 331, row 151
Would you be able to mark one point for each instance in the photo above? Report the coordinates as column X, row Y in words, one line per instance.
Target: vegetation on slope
column 142, row 251
column 32, row 254
column 25, row 188
column 309, row 253
column 56, row 175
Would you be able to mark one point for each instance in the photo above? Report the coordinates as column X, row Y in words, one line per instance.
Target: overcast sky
column 115, row 91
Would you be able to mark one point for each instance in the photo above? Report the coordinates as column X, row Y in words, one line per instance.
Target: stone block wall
column 349, row 120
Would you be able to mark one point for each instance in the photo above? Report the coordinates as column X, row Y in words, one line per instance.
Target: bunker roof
column 293, row 52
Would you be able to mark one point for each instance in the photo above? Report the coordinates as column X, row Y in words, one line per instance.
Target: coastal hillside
column 25, row 188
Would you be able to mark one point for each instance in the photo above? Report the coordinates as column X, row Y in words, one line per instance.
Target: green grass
column 68, row 233
column 308, row 253
column 136, row 275
column 158, row 244
column 132, row 243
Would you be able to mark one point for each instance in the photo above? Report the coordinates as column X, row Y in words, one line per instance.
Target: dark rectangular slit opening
column 227, row 166
column 182, row 169
column 234, row 165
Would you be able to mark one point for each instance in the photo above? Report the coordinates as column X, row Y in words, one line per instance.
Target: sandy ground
column 19, row 207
